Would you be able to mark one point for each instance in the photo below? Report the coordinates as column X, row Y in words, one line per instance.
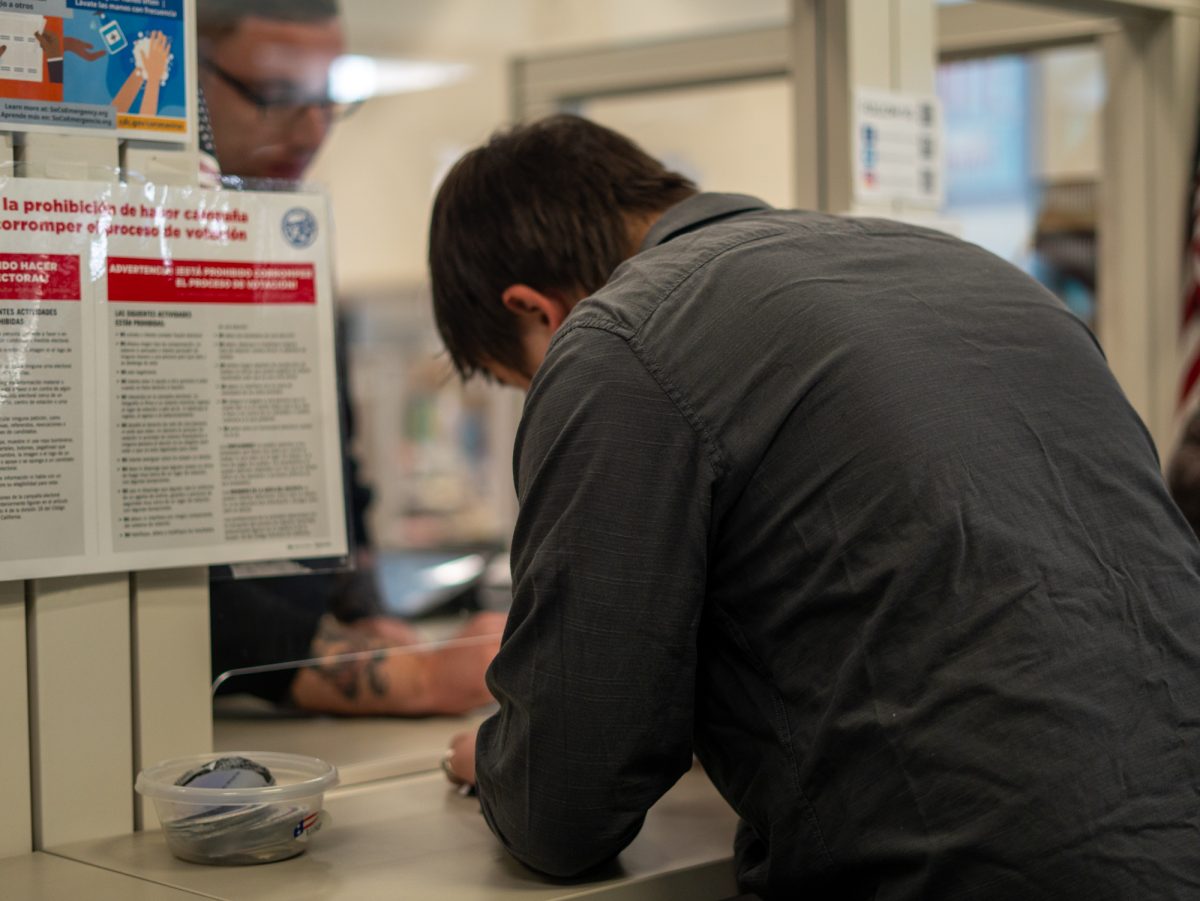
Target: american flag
column 1189, row 395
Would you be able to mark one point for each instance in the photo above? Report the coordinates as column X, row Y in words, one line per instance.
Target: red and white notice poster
column 167, row 392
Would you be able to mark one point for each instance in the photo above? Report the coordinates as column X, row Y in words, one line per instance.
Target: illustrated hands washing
column 157, row 55
column 129, row 90
column 154, row 63
column 150, row 72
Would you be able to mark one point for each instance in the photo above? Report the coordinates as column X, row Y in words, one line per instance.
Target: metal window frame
column 1149, row 122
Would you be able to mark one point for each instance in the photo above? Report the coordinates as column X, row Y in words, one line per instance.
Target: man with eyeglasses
column 264, row 70
column 264, row 76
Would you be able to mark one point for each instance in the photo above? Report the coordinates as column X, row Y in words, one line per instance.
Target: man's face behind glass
column 266, row 84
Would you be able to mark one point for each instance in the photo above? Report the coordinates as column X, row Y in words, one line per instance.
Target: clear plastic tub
column 239, row 825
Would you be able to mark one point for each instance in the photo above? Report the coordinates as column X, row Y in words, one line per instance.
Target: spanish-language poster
column 97, row 67
column 167, row 393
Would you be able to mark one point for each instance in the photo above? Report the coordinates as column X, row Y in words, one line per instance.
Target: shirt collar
column 700, row 209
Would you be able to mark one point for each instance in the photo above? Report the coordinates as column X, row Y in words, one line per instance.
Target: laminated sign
column 167, row 393
column 97, row 67
column 898, row 148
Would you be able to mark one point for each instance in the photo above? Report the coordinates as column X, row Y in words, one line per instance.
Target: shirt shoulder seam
column 715, row 458
column 630, row 337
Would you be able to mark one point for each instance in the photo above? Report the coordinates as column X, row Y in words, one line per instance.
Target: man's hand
column 459, row 762
column 488, row 623
column 456, row 671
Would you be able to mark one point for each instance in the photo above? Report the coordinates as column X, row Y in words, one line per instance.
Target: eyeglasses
column 285, row 105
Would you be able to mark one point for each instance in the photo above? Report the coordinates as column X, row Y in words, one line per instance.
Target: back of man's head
column 551, row 205
column 215, row 18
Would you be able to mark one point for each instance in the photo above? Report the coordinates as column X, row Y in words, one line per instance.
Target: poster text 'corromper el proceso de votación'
column 167, row 394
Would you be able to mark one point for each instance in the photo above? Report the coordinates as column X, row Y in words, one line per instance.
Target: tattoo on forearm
column 349, row 677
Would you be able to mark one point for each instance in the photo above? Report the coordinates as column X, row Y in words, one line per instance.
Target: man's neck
column 638, row 226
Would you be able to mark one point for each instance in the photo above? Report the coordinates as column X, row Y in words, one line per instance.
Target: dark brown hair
column 547, row 204
column 217, row 18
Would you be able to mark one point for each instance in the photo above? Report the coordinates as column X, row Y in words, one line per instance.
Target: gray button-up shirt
column 856, row 512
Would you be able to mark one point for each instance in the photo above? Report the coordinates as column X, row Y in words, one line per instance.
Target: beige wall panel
column 16, row 835
column 804, row 39
column 1151, row 71
column 872, row 43
column 163, row 167
column 67, row 156
column 914, row 67
column 1175, row 54
column 82, row 749
column 836, row 53
column 173, row 706
column 915, row 59
column 687, row 128
column 1126, row 220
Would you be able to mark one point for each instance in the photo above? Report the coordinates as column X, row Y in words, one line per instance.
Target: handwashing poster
column 97, row 66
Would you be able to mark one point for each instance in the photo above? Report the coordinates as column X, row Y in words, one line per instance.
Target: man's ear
column 524, row 301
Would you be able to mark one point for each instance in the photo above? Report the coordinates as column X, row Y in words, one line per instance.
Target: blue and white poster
column 119, row 67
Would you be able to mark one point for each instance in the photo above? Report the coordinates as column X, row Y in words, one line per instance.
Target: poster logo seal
column 299, row 227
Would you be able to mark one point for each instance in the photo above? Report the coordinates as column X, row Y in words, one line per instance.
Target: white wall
column 381, row 165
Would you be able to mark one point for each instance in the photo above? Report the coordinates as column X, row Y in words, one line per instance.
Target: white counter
column 44, row 877
column 417, row 838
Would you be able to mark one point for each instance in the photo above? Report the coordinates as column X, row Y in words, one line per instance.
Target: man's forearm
column 372, row 682
column 356, row 673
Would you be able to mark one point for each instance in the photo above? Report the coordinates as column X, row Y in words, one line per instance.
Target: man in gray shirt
column 852, row 510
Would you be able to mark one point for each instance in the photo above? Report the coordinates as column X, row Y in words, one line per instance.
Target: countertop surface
column 415, row 837
column 44, row 877
column 364, row 749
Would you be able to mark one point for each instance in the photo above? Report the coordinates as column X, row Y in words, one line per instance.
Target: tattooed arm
column 391, row 674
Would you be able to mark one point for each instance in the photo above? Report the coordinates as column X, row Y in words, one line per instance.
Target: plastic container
column 239, row 825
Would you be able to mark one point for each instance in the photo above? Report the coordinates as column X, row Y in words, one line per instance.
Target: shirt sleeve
column 595, row 678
